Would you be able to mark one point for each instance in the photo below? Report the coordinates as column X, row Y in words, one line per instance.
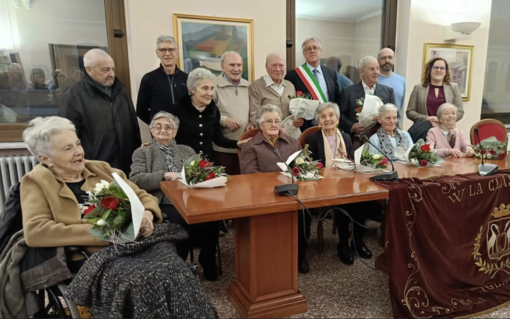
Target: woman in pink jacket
column 446, row 139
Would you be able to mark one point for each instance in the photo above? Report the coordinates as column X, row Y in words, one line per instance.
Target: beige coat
column 232, row 102
column 417, row 106
column 261, row 94
column 51, row 215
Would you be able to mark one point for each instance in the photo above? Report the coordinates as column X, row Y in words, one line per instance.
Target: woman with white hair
column 446, row 139
column 53, row 195
column 388, row 137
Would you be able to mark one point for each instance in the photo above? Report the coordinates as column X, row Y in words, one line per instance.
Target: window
column 41, row 54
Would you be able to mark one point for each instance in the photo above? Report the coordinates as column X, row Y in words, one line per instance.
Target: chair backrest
column 247, row 134
column 307, row 132
column 488, row 128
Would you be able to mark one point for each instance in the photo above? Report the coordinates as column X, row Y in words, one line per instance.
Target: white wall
column 368, row 35
column 423, row 21
column 338, row 39
column 146, row 20
column 74, row 22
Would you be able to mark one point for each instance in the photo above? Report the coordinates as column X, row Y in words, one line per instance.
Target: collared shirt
column 234, row 84
column 320, row 79
column 277, row 88
column 368, row 90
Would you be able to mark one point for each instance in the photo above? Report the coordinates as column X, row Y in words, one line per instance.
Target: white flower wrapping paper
column 215, row 182
column 370, row 110
column 303, row 108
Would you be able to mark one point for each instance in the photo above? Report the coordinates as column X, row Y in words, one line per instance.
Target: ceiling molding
column 299, row 16
column 370, row 15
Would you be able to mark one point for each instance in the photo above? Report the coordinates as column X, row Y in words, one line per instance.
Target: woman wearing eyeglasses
column 435, row 90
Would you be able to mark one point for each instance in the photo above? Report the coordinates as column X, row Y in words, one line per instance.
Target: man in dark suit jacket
column 326, row 78
column 369, row 70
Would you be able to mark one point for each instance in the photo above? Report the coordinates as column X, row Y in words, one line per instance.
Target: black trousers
column 357, row 212
column 304, row 222
column 206, row 235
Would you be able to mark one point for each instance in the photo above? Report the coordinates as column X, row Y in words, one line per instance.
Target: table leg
column 266, row 267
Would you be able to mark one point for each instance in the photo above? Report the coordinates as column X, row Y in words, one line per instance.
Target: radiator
column 12, row 169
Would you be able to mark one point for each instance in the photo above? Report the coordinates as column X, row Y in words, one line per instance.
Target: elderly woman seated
column 446, row 139
column 258, row 156
column 388, row 137
column 115, row 281
column 162, row 160
column 328, row 144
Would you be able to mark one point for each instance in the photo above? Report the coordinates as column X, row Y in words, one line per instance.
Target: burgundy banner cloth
column 448, row 245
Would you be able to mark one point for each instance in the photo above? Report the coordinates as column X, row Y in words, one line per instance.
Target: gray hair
column 162, row 114
column 388, row 107
column 324, row 106
column 314, row 38
column 165, row 38
column 91, row 58
column 364, row 61
column 273, row 54
column 268, row 108
column 224, row 55
column 197, row 75
column 442, row 107
column 38, row 134
column 13, row 66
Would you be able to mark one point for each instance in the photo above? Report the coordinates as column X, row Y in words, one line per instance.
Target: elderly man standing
column 312, row 78
column 386, row 58
column 103, row 113
column 369, row 71
column 162, row 88
column 232, row 99
column 272, row 89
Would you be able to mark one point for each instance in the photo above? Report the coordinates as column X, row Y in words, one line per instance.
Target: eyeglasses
column 170, row 50
column 314, row 48
column 438, row 68
column 271, row 122
column 167, row 127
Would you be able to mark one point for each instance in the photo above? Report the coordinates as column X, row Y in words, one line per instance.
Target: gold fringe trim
column 482, row 313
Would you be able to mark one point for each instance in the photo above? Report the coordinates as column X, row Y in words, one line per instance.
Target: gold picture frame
column 202, row 40
column 460, row 63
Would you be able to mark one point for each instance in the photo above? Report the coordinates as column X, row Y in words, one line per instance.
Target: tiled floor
column 332, row 288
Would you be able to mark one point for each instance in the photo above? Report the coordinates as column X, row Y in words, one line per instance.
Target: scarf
column 169, row 155
column 341, row 151
column 385, row 141
column 270, row 140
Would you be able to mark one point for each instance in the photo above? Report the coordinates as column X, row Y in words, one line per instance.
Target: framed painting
column 202, row 40
column 460, row 62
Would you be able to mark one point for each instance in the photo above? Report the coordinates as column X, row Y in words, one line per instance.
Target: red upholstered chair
column 247, row 134
column 488, row 128
column 307, row 132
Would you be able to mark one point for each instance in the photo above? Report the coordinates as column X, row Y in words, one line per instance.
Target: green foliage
column 417, row 154
column 309, row 170
column 372, row 160
column 493, row 149
column 197, row 170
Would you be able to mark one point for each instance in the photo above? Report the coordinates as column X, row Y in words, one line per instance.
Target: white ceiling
column 341, row 10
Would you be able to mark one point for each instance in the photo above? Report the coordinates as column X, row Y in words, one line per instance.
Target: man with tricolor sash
column 314, row 79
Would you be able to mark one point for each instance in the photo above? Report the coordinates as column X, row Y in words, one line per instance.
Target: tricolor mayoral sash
column 311, row 83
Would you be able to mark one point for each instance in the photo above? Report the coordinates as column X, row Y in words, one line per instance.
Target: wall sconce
column 460, row 30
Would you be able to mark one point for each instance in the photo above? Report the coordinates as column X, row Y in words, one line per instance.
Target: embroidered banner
column 448, row 245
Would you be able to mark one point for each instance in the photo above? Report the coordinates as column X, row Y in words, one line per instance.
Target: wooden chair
column 247, row 134
column 488, row 128
column 307, row 132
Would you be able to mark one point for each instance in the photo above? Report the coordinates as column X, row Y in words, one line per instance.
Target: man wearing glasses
column 314, row 79
column 162, row 88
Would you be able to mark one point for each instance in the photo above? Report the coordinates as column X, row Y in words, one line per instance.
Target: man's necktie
column 315, row 74
column 452, row 140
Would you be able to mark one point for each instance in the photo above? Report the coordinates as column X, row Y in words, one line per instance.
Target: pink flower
column 299, row 93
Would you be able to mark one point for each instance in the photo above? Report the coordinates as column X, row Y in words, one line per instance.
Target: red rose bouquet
column 198, row 172
column 492, row 149
column 373, row 160
column 302, row 166
column 421, row 154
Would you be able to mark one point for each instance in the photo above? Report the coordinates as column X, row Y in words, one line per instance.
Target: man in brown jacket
column 231, row 98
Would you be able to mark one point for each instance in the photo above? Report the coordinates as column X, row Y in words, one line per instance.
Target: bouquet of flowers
column 492, row 149
column 422, row 155
column 200, row 173
column 302, row 105
column 115, row 211
column 373, row 105
column 302, row 166
column 373, row 160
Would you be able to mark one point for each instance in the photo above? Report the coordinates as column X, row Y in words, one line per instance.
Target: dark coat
column 315, row 143
column 108, row 127
column 348, row 102
column 333, row 93
column 257, row 156
column 198, row 129
column 159, row 92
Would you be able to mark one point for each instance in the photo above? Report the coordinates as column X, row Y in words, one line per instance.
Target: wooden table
column 266, row 231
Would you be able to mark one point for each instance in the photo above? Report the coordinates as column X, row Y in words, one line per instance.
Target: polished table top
column 253, row 194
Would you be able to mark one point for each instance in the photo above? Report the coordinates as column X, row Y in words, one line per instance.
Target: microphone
column 390, row 176
column 285, row 189
column 484, row 169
